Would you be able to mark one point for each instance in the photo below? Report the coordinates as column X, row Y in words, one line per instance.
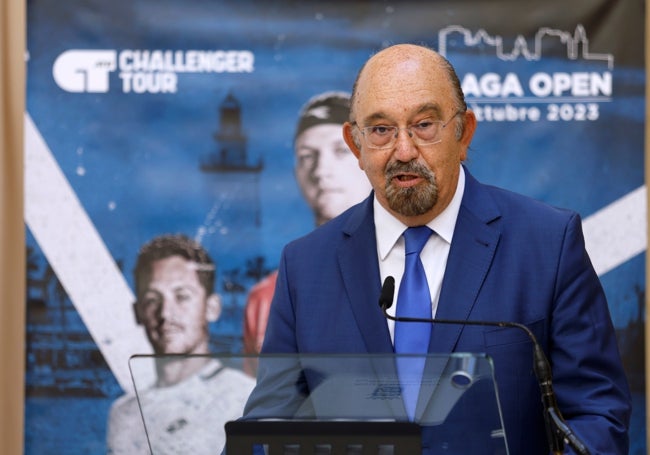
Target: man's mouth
column 329, row 191
column 169, row 330
column 407, row 180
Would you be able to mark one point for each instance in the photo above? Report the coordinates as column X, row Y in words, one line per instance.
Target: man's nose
column 325, row 165
column 405, row 149
column 166, row 308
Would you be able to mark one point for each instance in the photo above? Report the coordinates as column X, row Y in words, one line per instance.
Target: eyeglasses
column 426, row 132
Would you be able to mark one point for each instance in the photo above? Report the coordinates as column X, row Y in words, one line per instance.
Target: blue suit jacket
column 512, row 259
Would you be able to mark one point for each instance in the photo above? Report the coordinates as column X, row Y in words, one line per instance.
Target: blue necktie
column 414, row 301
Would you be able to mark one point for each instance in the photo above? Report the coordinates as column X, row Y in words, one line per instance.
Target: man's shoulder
column 511, row 204
column 524, row 204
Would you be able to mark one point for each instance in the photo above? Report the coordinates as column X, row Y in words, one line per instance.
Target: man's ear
column 469, row 126
column 136, row 313
column 352, row 140
column 213, row 308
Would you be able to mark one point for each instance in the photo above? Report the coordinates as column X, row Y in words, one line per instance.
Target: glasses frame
column 414, row 137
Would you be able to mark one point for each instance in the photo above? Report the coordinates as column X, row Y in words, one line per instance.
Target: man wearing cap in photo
column 324, row 169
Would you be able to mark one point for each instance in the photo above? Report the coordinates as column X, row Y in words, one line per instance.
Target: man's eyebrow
column 432, row 108
column 185, row 287
column 148, row 292
column 375, row 117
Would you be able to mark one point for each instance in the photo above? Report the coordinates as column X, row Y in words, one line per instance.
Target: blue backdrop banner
column 151, row 117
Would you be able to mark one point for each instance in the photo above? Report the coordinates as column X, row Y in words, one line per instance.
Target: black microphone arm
column 557, row 431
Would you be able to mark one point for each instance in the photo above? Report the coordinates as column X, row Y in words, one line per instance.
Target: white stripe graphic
column 80, row 258
column 617, row 232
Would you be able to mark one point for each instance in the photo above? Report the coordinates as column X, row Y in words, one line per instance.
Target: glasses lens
column 380, row 136
column 426, row 132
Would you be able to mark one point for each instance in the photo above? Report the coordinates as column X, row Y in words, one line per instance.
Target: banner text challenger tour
column 188, row 61
column 143, row 71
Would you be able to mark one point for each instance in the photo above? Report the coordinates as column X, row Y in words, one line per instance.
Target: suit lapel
column 472, row 250
column 359, row 269
column 470, row 256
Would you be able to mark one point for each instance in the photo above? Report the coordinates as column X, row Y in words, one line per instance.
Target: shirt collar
column 389, row 229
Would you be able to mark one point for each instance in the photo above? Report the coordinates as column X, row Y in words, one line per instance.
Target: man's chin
column 327, row 214
column 170, row 350
column 412, row 201
column 332, row 204
column 170, row 344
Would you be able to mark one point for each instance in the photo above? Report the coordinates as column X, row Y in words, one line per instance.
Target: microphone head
column 387, row 291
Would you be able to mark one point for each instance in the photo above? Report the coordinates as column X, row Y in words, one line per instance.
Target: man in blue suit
column 493, row 256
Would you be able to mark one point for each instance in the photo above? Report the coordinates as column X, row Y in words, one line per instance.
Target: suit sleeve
column 588, row 376
column 281, row 390
column 281, row 329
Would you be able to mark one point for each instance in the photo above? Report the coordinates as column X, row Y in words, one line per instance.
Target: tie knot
column 415, row 238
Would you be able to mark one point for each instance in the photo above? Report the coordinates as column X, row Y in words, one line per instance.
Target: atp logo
column 80, row 71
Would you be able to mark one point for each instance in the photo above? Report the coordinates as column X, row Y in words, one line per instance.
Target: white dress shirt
column 390, row 247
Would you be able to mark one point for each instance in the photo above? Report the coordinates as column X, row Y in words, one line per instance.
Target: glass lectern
column 321, row 404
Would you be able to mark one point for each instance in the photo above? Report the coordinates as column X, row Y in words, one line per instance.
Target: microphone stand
column 557, row 431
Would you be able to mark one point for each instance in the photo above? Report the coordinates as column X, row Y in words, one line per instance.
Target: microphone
column 386, row 296
column 557, row 431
